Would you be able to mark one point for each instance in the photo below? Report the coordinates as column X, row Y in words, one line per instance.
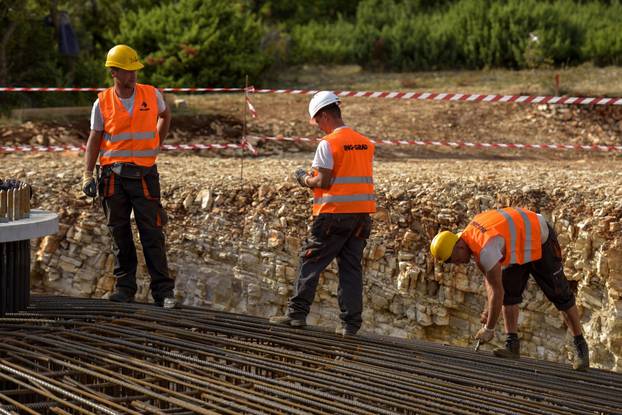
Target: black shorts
column 548, row 272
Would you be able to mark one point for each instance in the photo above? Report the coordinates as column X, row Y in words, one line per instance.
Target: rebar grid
column 85, row 356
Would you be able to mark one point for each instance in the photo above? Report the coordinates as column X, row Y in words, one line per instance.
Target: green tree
column 195, row 42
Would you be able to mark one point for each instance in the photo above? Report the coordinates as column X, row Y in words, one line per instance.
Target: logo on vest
column 144, row 107
column 479, row 227
column 349, row 147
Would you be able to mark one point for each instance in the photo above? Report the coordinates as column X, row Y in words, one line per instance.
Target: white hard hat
column 321, row 100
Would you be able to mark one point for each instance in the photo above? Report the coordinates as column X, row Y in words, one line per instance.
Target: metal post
column 17, row 204
column 244, row 128
column 3, row 206
column 3, row 278
column 9, row 204
column 25, row 274
column 10, row 276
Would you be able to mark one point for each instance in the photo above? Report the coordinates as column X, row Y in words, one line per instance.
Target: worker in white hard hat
column 508, row 246
column 129, row 121
column 343, row 198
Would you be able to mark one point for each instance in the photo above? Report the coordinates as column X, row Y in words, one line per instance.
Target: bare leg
column 511, row 350
column 571, row 316
column 510, row 318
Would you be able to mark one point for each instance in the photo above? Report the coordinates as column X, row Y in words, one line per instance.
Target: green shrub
column 603, row 33
column 321, row 43
column 416, row 35
column 196, row 43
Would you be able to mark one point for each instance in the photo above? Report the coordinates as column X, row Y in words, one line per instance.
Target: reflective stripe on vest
column 343, row 199
column 527, row 225
column 353, row 180
column 147, row 135
column 129, row 153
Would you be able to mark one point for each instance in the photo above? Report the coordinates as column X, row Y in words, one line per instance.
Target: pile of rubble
column 234, row 242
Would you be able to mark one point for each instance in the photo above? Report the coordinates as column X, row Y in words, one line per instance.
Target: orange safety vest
column 520, row 228
column 130, row 139
column 352, row 187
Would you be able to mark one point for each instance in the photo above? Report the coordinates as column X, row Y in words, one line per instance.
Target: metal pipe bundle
column 14, row 200
column 68, row 355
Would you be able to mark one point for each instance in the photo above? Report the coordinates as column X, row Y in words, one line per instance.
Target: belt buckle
column 117, row 168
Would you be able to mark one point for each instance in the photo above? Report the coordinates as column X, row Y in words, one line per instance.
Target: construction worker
column 128, row 123
column 508, row 245
column 343, row 198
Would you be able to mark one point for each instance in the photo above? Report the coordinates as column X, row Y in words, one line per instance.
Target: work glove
column 89, row 187
column 300, row 176
column 485, row 335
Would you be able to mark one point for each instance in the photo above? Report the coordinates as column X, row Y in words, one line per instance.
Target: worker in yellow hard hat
column 129, row 121
column 123, row 57
column 508, row 245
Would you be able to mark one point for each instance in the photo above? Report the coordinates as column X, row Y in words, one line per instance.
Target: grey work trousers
column 120, row 195
column 333, row 235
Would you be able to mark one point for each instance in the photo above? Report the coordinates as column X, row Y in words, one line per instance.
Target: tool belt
column 128, row 170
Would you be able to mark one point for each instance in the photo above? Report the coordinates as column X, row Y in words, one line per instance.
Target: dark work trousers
column 548, row 272
column 120, row 195
column 335, row 235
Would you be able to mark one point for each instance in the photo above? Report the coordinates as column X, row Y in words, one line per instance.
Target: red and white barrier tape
column 41, row 149
column 462, row 144
column 165, row 147
column 36, row 89
column 433, row 96
column 451, row 144
column 188, row 147
column 422, row 96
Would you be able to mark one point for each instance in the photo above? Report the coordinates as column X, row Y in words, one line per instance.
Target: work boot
column 346, row 331
column 511, row 349
column 166, row 300
column 121, row 296
column 288, row 321
column 582, row 356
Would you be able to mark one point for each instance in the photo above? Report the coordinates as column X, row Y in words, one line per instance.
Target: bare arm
column 322, row 180
column 164, row 122
column 92, row 150
column 494, row 293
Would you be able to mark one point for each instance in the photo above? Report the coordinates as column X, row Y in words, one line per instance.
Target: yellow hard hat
column 124, row 57
column 443, row 245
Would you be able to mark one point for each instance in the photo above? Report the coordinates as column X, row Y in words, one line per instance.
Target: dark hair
column 333, row 110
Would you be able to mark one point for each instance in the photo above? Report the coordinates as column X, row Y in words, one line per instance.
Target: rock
column 275, row 239
column 247, row 260
column 188, row 201
column 381, row 215
column 376, row 252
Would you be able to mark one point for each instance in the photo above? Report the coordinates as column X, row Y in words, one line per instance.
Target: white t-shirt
column 97, row 121
column 494, row 249
column 323, row 156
